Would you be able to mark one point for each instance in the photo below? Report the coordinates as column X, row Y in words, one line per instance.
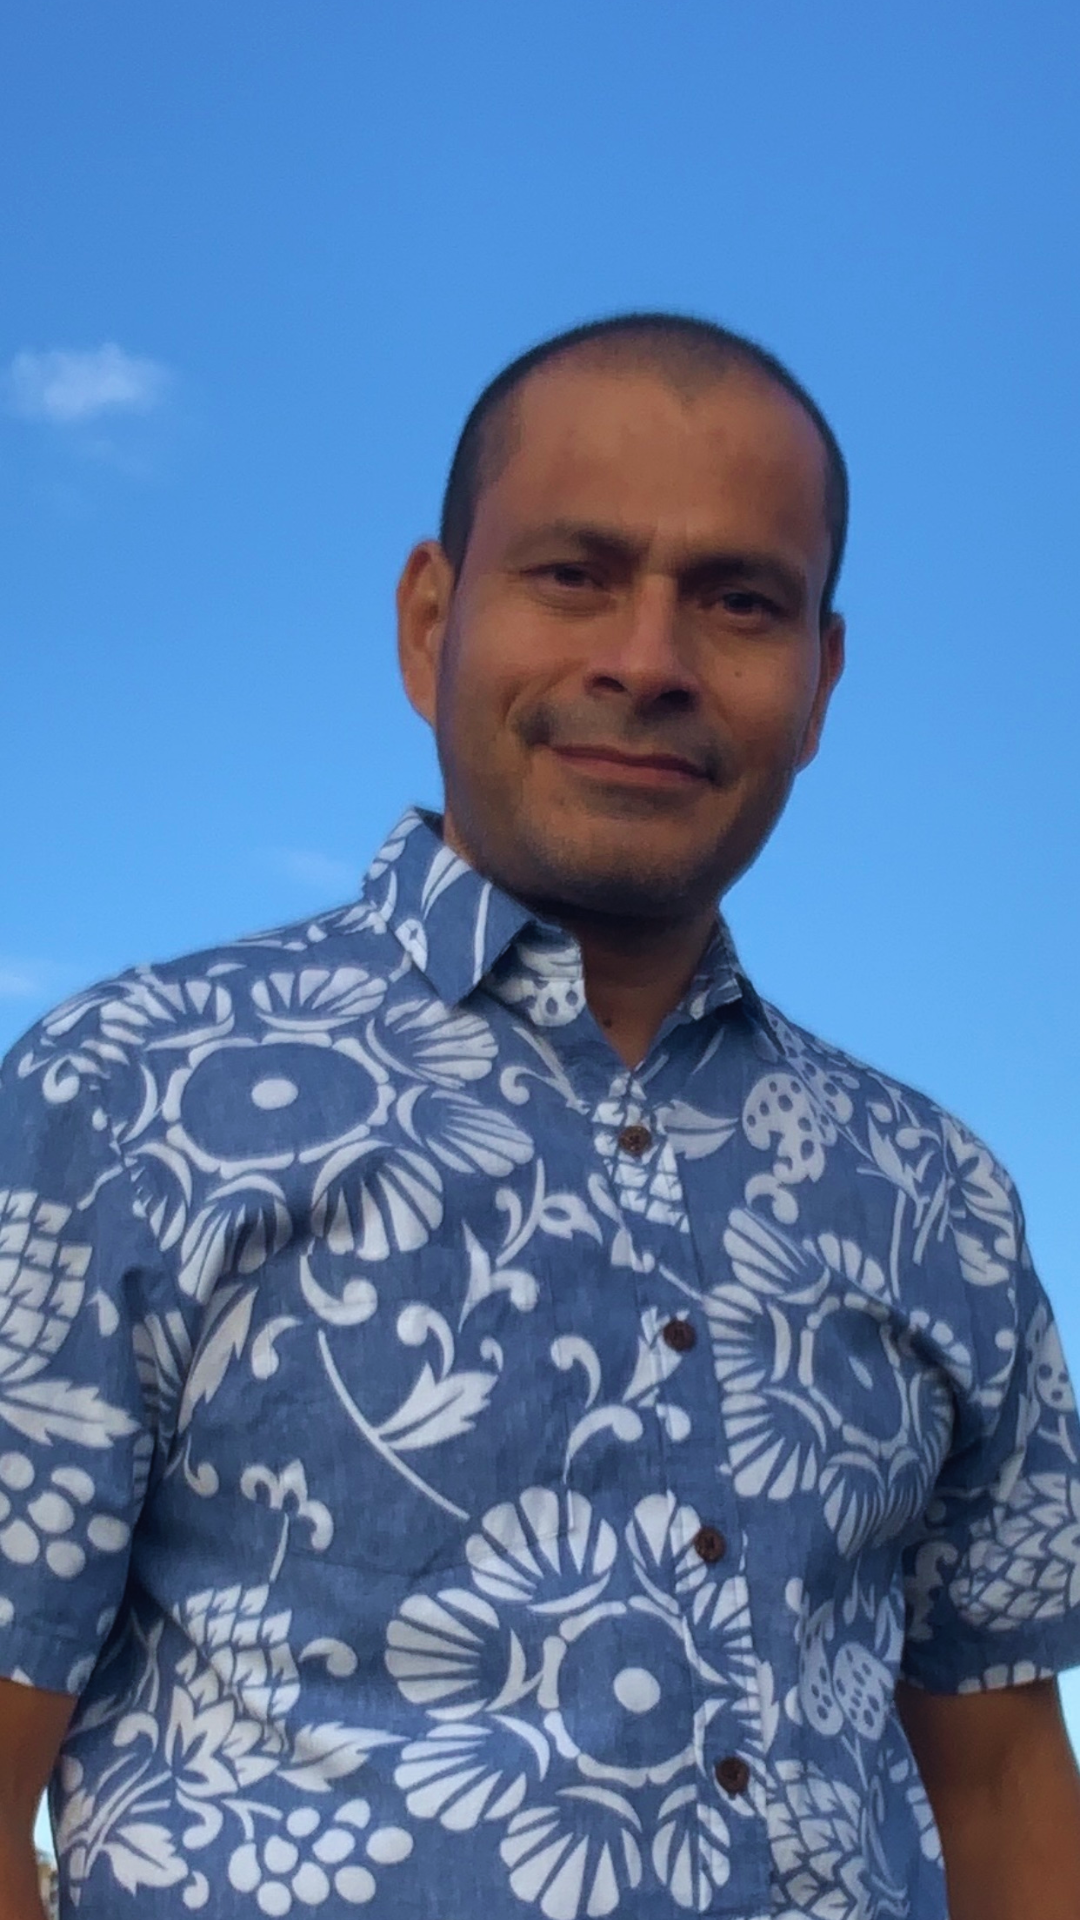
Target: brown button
column 733, row 1774
column 709, row 1542
column 636, row 1140
column 679, row 1335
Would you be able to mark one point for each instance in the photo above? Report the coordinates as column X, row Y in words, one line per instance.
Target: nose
column 643, row 654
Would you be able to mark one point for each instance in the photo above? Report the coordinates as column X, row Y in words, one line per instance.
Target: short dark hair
column 663, row 339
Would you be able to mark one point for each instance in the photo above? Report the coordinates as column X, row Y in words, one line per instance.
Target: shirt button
column 679, row 1335
column 733, row 1774
column 709, row 1542
column 636, row 1140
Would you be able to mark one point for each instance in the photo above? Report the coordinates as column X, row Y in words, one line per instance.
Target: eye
column 570, row 573
column 744, row 603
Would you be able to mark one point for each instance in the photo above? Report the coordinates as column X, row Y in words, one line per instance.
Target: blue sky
column 258, row 259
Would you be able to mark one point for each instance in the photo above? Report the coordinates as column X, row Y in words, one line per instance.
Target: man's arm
column 1005, row 1790
column 32, row 1726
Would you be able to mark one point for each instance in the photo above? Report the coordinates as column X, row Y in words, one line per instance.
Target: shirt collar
column 455, row 926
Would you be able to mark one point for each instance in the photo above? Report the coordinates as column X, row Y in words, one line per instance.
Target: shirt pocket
column 414, row 1412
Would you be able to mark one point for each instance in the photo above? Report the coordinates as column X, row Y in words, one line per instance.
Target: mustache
column 680, row 737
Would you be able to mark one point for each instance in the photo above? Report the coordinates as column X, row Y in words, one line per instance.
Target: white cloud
column 319, row 871
column 25, row 979
column 65, row 386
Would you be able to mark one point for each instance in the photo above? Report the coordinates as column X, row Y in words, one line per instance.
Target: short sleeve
column 993, row 1582
column 76, row 1439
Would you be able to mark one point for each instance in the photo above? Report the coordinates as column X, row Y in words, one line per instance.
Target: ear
column 830, row 668
column 424, row 594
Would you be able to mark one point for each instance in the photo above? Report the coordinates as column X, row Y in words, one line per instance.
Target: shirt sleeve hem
column 981, row 1662
column 46, row 1658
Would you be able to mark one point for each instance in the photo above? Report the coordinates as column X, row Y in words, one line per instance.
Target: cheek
column 492, row 676
column 766, row 713
column 476, row 696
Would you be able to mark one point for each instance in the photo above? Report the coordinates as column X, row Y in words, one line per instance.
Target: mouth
column 633, row 769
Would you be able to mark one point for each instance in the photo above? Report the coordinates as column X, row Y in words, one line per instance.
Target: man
column 498, row 1419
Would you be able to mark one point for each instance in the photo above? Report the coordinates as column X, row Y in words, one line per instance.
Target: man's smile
column 634, row 769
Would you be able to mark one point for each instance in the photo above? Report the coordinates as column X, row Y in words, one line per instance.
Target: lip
column 645, row 769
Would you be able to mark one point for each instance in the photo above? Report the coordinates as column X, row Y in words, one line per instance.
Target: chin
column 620, row 884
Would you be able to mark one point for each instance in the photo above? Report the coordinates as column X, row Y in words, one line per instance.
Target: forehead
column 724, row 454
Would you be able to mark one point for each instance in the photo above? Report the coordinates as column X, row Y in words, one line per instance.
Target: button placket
column 671, row 1286
column 686, row 1475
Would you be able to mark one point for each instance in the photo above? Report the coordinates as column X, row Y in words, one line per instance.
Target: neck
column 636, row 972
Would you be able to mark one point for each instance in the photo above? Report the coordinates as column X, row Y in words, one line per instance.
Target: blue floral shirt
column 462, row 1475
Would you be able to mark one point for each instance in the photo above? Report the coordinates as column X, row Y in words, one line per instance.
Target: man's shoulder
column 857, row 1093
column 296, row 967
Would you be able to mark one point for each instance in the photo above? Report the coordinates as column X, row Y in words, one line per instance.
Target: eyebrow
column 615, row 544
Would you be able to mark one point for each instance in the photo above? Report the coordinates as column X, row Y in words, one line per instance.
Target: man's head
column 624, row 639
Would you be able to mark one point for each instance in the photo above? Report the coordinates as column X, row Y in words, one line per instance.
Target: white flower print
column 543, row 978
column 656, row 1362
column 442, row 1404
column 586, row 1666
column 816, row 1831
column 428, row 1041
column 162, row 1015
column 691, row 1850
column 225, row 1731
column 450, row 1654
column 120, row 1018
column 247, row 1648
column 375, row 1197
column 448, row 1775
column 548, row 1550
column 244, row 1223
column 575, row 1866
column 395, row 843
column 844, row 1682
column 795, row 1117
column 41, row 1291
column 780, row 1110
column 41, row 1286
column 360, row 1221
column 828, row 1075
column 872, row 1450
column 1048, row 1403
column 672, row 1573
column 393, row 1205
column 60, row 1058
column 462, row 1134
column 647, row 1183
column 1023, row 1562
column 984, row 1223
column 287, row 1493
column 52, row 1517
column 309, row 1860
column 223, row 1108
column 516, row 1675
column 316, row 999
column 1014, row 1673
